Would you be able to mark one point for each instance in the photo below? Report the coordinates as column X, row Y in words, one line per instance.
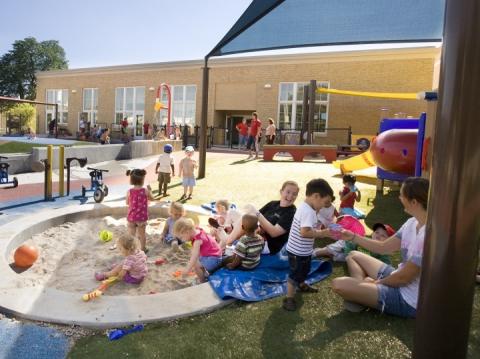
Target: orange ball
column 25, row 256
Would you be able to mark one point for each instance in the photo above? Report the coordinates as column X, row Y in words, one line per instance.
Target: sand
column 71, row 253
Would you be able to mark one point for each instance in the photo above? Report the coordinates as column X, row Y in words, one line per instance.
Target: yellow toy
column 105, row 236
column 100, row 290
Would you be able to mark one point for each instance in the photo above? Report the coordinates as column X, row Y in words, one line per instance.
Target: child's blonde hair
column 224, row 203
column 182, row 225
column 128, row 242
column 177, row 206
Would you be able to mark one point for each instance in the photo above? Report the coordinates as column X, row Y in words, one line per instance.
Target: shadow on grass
column 387, row 208
column 245, row 160
column 278, row 337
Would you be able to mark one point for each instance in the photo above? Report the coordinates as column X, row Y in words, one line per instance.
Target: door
column 138, row 130
column 230, row 123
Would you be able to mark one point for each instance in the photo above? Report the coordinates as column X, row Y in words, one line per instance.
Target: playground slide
column 358, row 162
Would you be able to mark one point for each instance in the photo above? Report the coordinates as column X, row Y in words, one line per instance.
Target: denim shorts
column 299, row 268
column 188, row 181
column 390, row 299
column 242, row 140
column 210, row 263
column 251, row 142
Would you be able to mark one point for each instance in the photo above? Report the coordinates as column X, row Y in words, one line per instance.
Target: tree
column 19, row 65
column 23, row 114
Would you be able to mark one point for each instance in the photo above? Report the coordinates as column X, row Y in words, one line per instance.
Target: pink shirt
column 136, row 265
column 138, row 205
column 209, row 247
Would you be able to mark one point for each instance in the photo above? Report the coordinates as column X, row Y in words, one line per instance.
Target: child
column 340, row 249
column 301, row 238
column 133, row 269
column 137, row 202
column 246, row 253
column 348, row 196
column 206, row 253
column 225, row 216
column 165, row 164
column 326, row 215
column 176, row 212
column 187, row 167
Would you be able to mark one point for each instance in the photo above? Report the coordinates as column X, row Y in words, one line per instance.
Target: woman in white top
column 375, row 284
column 270, row 132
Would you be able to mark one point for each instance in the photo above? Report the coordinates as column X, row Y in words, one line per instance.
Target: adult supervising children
column 253, row 137
column 377, row 285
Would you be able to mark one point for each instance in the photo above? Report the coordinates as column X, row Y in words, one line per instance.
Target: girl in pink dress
column 137, row 202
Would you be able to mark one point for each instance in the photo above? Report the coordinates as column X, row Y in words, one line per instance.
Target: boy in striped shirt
column 301, row 239
column 246, row 253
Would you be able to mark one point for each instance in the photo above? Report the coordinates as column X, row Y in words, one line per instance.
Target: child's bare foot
column 189, row 196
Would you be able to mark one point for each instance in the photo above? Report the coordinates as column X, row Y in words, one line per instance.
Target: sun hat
column 189, row 149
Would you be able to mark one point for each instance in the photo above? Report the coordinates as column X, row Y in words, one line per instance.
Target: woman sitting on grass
column 375, row 284
column 275, row 219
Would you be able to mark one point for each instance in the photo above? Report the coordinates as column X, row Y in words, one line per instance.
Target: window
column 130, row 104
column 59, row 97
column 183, row 105
column 90, row 105
column 291, row 105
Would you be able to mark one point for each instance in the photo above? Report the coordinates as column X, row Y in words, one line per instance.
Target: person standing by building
column 242, row 129
column 270, row 132
column 255, row 133
column 146, row 127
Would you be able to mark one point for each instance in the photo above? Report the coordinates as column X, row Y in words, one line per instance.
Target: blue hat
column 168, row 148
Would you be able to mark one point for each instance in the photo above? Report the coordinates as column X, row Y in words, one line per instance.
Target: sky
column 119, row 32
column 116, row 32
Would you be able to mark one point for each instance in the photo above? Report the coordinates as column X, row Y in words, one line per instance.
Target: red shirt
column 124, row 123
column 350, row 201
column 242, row 128
column 145, row 127
column 256, row 125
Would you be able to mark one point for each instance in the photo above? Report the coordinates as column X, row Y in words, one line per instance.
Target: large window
column 290, row 107
column 59, row 97
column 90, row 105
column 130, row 104
column 183, row 105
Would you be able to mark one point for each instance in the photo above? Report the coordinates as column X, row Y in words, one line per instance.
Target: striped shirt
column 249, row 249
column 305, row 217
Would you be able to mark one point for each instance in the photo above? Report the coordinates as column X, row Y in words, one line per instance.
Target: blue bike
column 100, row 190
column 4, row 173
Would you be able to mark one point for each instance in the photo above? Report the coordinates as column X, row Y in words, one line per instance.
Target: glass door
column 138, row 127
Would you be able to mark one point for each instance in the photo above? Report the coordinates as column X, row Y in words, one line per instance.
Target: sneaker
column 353, row 307
column 100, row 276
column 289, row 304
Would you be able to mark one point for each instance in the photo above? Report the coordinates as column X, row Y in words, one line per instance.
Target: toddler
column 301, row 238
column 165, row 166
column 326, row 215
column 225, row 217
column 133, row 269
column 137, row 202
column 246, row 253
column 348, row 196
column 187, row 167
column 206, row 254
column 176, row 212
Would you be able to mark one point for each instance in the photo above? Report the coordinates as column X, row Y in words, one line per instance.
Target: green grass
column 319, row 329
column 22, row 147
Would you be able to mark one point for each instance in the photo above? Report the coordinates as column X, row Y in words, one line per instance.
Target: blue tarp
column 266, row 281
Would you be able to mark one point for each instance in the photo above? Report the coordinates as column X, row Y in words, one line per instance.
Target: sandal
column 289, row 304
column 213, row 222
column 305, row 288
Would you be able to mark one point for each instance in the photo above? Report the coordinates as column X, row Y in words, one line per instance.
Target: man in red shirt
column 255, row 133
column 242, row 129
column 146, row 126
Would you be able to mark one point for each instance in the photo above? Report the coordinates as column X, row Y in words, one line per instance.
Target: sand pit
column 71, row 253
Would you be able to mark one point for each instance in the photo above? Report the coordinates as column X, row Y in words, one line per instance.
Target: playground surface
column 320, row 328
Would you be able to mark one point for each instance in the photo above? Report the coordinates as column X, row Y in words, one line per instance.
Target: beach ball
column 25, row 256
column 105, row 236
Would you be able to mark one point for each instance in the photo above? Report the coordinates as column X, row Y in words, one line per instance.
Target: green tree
column 19, row 65
column 23, row 114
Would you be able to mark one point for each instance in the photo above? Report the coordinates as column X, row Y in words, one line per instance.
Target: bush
column 23, row 115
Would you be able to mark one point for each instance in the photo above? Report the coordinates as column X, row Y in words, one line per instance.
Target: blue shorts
column 390, row 299
column 188, row 181
column 210, row 263
column 251, row 142
column 242, row 140
column 299, row 268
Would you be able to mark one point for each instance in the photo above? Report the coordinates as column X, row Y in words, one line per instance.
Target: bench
column 298, row 152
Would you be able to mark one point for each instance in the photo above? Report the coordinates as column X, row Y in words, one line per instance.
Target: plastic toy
column 120, row 333
column 160, row 261
column 100, row 190
column 105, row 236
column 4, row 174
column 352, row 224
column 100, row 290
column 25, row 256
column 179, row 273
column 335, row 230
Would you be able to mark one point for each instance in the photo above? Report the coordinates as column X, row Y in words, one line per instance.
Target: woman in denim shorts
column 377, row 285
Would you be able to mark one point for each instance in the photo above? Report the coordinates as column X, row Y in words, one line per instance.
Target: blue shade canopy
column 273, row 24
